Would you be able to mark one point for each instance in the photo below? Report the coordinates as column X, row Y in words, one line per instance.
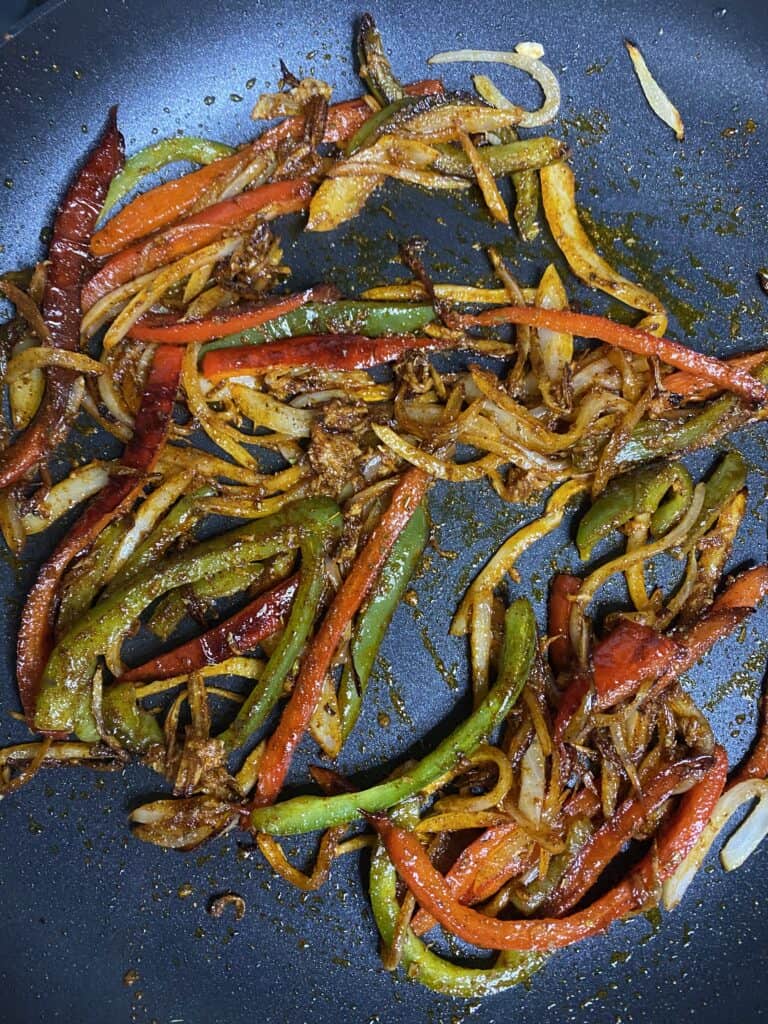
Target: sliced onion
column 414, row 292
column 28, row 309
column 533, row 782
column 11, row 525
column 432, row 180
column 658, row 100
column 25, row 393
column 558, row 196
column 443, row 470
column 161, row 282
column 519, row 58
column 265, row 411
column 325, row 724
column 338, row 200
column 39, row 356
column 147, row 516
column 215, row 426
column 742, row 843
column 82, row 483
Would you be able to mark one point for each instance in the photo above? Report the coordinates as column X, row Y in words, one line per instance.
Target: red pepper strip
column 240, row 632
column 406, row 496
column 193, row 233
column 35, row 639
column 168, row 329
column 587, row 325
column 463, row 871
column 692, row 386
column 330, row 351
column 159, row 207
column 631, row 653
column 728, row 610
column 604, row 844
column 756, row 765
column 72, row 228
column 564, row 588
column 675, row 840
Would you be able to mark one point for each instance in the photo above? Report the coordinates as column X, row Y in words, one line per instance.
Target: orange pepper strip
column 688, row 384
column 330, row 351
column 603, row 845
column 674, row 841
column 161, row 206
column 587, row 325
column 168, row 329
column 362, row 577
column 193, row 233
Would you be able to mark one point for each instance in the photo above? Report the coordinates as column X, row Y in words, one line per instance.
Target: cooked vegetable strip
column 357, row 586
column 261, row 618
column 193, row 233
column 631, row 654
column 152, row 158
column 330, row 351
column 310, row 813
column 168, row 202
column 34, row 641
column 558, row 195
column 658, row 100
column 690, row 385
column 221, row 323
column 430, row 889
column 563, row 589
column 587, row 325
column 347, row 316
column 72, row 229
column 432, row 970
column 373, row 620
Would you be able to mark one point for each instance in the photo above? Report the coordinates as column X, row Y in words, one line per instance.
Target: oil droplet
column 235, row 97
column 8, row 182
column 250, row 83
column 721, row 12
column 209, row 100
column 78, row 74
column 384, row 719
column 131, row 977
column 184, row 891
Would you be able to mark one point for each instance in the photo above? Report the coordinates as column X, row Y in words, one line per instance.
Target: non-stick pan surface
column 82, row 903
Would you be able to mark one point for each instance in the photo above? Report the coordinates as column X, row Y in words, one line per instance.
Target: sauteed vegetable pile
column 279, row 447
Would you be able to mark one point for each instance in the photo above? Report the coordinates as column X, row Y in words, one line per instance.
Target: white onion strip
column 519, row 58
column 83, row 482
column 742, row 843
column 658, row 100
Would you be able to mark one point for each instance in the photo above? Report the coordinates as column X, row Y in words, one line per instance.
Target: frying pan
column 83, row 904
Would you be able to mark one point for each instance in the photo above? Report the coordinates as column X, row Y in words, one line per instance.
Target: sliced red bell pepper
column 67, row 256
column 604, row 844
column 630, row 654
column 168, row 329
column 35, row 639
column 260, row 618
column 570, row 702
column 690, row 385
column 361, row 579
column 329, row 351
column 432, row 892
column 587, row 325
column 159, row 207
column 563, row 589
column 193, row 233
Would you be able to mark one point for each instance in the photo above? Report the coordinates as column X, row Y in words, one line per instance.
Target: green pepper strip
column 127, row 721
column 652, row 439
column 370, row 129
column 375, row 68
column 632, row 494
column 64, row 700
column 373, row 621
column 177, row 604
column 508, row 158
column 310, row 813
column 420, row 963
column 728, row 478
column 86, row 578
column 292, row 641
column 370, row 319
column 166, row 151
